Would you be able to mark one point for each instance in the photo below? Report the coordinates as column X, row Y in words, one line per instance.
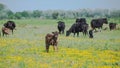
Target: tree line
column 6, row 13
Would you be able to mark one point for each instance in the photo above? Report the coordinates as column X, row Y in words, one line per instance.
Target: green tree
column 115, row 13
column 25, row 14
column 55, row 15
column 10, row 14
column 3, row 13
column 37, row 13
column 18, row 15
column 2, row 7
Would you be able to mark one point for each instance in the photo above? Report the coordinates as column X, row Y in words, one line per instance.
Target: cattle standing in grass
column 76, row 29
column 51, row 39
column 5, row 31
column 79, row 26
column 61, row 27
column 11, row 25
column 98, row 23
column 112, row 26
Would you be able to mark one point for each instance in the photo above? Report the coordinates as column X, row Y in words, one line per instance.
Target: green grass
column 26, row 47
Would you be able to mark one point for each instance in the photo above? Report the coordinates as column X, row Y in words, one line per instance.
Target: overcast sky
column 20, row 5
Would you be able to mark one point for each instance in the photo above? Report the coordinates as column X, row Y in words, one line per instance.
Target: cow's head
column 105, row 20
column 68, row 33
column 77, row 20
column 83, row 20
column 55, row 35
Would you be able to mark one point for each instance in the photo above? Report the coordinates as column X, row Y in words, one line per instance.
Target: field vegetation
column 26, row 47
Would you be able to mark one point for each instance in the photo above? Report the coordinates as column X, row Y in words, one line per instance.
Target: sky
column 21, row 5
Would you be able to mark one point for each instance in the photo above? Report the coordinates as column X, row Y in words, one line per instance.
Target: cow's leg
column 12, row 31
column 47, row 48
column 110, row 28
column 95, row 29
column 0, row 34
column 86, row 32
column 77, row 34
column 3, row 33
column 100, row 29
column 74, row 34
column 54, row 47
column 83, row 32
column 62, row 31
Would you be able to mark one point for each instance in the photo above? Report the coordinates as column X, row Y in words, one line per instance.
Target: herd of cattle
column 80, row 25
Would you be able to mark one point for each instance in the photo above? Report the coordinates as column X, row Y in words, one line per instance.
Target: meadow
column 26, row 47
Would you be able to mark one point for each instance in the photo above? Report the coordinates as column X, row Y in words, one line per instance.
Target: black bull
column 75, row 28
column 98, row 23
column 61, row 27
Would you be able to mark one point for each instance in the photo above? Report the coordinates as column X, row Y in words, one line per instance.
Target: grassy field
column 26, row 47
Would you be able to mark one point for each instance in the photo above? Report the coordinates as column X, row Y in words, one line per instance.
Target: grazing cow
column 5, row 31
column 79, row 26
column 98, row 23
column 51, row 39
column 73, row 29
column 11, row 25
column 61, row 27
column 90, row 33
column 112, row 26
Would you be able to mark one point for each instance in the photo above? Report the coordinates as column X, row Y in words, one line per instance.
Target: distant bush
column 6, row 13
